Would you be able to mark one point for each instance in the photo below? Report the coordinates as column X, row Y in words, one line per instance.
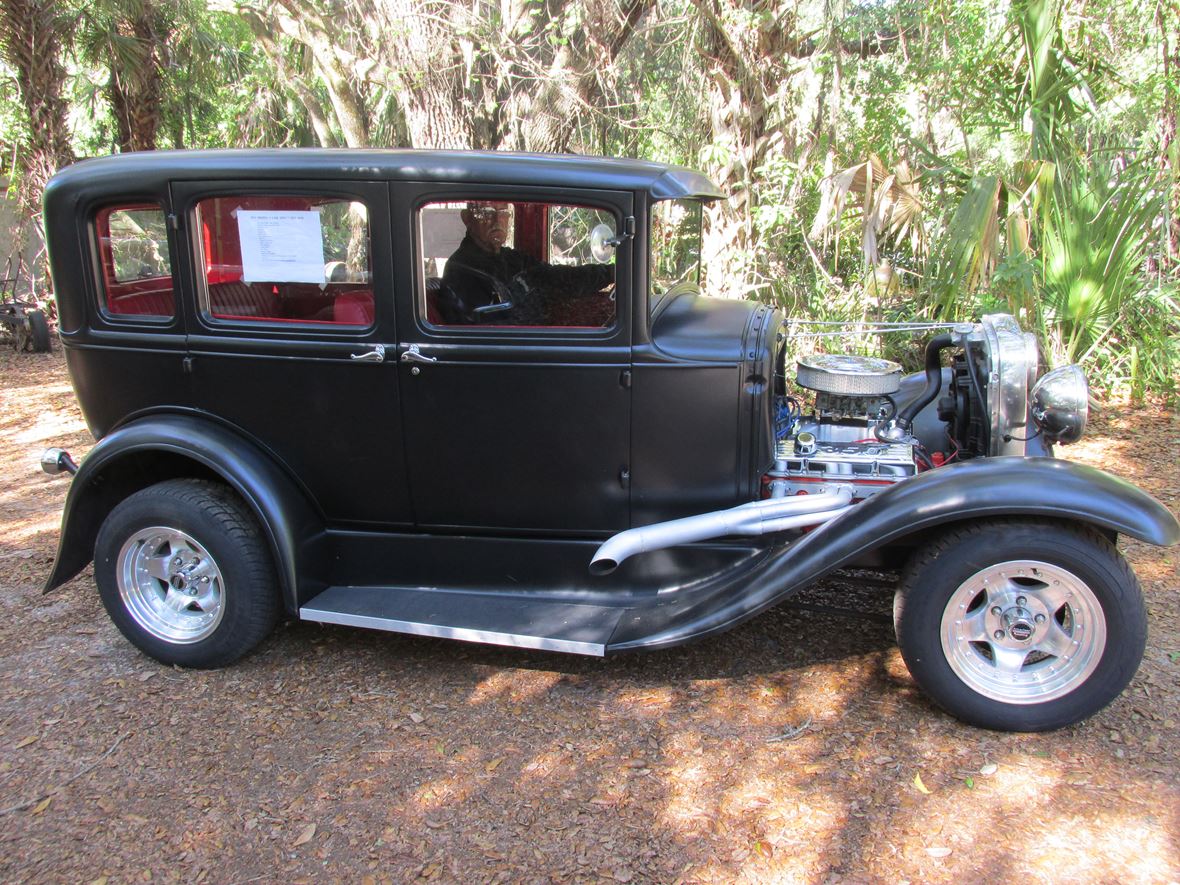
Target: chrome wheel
column 1023, row 632
column 170, row 585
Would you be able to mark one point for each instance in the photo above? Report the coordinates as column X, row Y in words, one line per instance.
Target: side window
column 286, row 259
column 517, row 264
column 135, row 264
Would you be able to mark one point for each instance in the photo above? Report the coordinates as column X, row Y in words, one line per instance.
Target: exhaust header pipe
column 754, row 518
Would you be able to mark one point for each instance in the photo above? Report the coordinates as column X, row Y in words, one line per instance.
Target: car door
column 516, row 420
column 294, row 299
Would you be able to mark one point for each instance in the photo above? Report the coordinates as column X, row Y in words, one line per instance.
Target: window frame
column 313, row 191
column 101, row 252
column 601, row 201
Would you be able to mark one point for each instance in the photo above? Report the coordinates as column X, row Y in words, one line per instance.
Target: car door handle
column 414, row 355
column 376, row 355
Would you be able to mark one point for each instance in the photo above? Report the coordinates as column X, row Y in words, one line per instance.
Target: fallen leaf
column 42, row 805
column 305, row 836
column 24, row 742
column 989, row 769
column 922, row 788
column 969, row 783
column 494, row 764
column 416, row 718
column 144, row 677
column 938, row 852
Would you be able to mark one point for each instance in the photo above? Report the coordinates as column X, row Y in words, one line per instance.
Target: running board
column 470, row 617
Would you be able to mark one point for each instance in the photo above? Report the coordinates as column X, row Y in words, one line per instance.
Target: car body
column 315, row 399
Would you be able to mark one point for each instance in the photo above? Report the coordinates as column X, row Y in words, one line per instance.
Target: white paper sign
column 280, row 246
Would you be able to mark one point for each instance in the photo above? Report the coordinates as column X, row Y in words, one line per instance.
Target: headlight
column 1061, row 404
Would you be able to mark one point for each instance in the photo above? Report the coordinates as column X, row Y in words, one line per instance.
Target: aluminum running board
column 471, row 617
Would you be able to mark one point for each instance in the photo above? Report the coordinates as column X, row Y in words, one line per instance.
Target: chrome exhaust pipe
column 753, row 518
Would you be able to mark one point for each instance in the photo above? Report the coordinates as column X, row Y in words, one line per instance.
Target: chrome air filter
column 848, row 375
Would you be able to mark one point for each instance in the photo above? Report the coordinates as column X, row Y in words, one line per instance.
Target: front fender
column 979, row 489
column 159, row 447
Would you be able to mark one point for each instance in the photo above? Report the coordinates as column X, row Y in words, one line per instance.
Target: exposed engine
column 869, row 428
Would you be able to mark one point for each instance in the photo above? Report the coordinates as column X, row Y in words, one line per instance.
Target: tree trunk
column 1167, row 19
column 31, row 34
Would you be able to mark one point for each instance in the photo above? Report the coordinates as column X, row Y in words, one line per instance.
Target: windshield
column 675, row 245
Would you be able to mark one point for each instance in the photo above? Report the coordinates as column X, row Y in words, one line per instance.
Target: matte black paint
column 497, row 470
column 980, row 489
column 291, row 524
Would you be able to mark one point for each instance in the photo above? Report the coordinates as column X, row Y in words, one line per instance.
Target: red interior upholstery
column 244, row 300
column 353, row 308
column 142, row 298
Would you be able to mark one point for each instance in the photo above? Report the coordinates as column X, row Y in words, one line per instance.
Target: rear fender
column 987, row 488
column 162, row 447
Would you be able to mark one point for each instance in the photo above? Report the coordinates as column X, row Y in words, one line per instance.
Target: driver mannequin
column 484, row 271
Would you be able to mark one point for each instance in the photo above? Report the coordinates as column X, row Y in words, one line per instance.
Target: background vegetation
column 885, row 160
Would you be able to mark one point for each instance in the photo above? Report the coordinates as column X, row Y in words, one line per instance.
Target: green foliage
column 930, row 158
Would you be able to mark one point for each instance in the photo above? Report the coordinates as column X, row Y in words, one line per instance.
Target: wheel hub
column 170, row 585
column 1023, row 631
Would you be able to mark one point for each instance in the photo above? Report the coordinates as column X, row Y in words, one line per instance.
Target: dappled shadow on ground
column 795, row 748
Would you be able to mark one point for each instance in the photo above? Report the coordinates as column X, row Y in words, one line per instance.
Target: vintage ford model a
column 480, row 396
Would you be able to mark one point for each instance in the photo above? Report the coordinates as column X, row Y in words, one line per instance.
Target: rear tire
column 185, row 574
column 1021, row 625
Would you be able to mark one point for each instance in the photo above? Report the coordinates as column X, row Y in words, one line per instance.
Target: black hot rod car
column 480, row 396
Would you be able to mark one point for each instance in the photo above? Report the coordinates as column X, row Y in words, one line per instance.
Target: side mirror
column 602, row 243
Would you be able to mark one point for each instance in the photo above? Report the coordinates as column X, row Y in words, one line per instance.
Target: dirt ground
column 794, row 749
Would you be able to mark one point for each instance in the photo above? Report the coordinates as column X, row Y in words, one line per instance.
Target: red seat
column 243, row 300
column 353, row 308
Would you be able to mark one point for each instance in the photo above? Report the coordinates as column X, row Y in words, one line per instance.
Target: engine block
column 808, row 464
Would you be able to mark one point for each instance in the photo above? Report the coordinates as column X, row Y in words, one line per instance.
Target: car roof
column 660, row 180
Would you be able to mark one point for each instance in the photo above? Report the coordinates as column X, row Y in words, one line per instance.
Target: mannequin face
column 488, row 224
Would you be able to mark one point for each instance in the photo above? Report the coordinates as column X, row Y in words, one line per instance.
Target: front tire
column 1021, row 625
column 184, row 573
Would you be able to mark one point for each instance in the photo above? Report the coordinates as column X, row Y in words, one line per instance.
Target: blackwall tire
column 1021, row 625
column 38, row 340
column 185, row 574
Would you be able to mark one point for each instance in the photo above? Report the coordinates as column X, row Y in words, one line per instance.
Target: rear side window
column 135, row 264
column 286, row 259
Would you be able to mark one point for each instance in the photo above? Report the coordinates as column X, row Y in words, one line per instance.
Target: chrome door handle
column 376, row 355
column 414, row 355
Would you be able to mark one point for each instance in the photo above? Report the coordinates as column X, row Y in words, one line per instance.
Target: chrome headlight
column 1061, row 404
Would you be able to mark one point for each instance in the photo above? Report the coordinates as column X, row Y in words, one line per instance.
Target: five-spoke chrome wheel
column 185, row 573
column 170, row 585
column 1023, row 631
column 1020, row 625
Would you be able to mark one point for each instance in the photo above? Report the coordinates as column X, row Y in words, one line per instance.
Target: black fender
column 160, row 447
column 986, row 488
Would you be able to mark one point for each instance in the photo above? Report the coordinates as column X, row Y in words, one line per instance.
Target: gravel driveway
column 794, row 749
